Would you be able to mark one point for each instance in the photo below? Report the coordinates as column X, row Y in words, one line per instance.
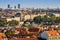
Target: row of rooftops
column 53, row 33
column 33, row 31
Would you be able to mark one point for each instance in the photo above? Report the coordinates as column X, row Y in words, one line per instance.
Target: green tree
column 27, row 25
column 8, row 32
column 3, row 22
column 13, row 23
column 37, row 19
column 45, row 18
column 53, row 18
column 57, row 20
column 23, row 25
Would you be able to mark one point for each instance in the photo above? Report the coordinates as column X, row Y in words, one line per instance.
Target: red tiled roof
column 58, row 31
column 1, row 36
column 33, row 30
column 54, row 32
column 18, row 29
column 0, row 30
column 24, row 39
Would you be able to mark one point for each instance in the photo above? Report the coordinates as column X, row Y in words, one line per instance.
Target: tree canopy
column 13, row 23
column 3, row 22
column 37, row 19
column 46, row 18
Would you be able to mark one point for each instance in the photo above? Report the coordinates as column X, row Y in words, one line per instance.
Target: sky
column 31, row 3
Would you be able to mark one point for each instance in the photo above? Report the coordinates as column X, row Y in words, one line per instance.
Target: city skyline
column 31, row 3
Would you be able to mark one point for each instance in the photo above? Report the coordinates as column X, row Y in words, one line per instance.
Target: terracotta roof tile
column 54, row 32
column 33, row 30
column 25, row 39
column 58, row 31
column 1, row 38
column 18, row 29
column 1, row 35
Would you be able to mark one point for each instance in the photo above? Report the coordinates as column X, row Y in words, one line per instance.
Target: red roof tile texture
column 24, row 39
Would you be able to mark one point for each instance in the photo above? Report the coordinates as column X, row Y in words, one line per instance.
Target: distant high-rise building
column 8, row 5
column 14, row 7
column 18, row 6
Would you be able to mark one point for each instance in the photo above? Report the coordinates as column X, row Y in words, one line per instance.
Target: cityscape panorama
column 29, row 19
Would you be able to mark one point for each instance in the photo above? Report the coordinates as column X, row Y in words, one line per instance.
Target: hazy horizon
column 31, row 3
